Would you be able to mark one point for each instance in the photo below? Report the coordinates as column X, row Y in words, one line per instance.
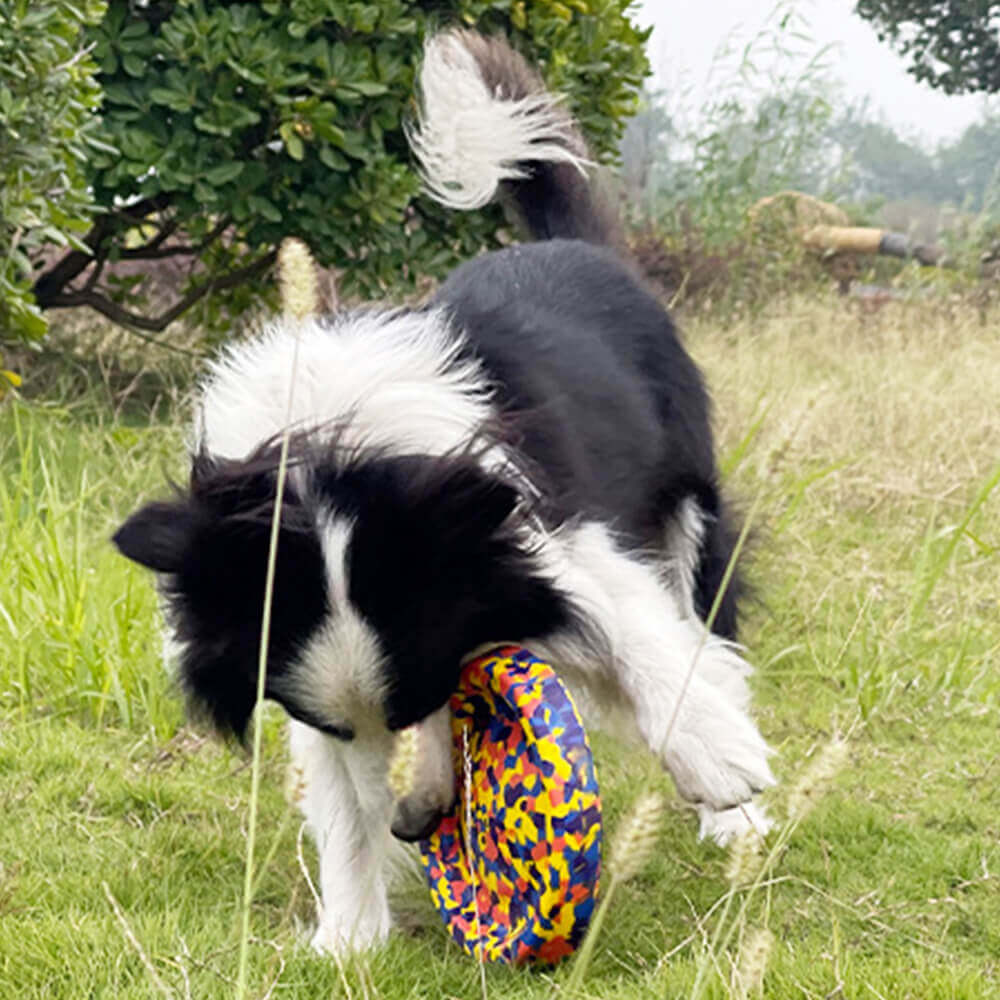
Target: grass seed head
column 637, row 837
column 298, row 279
column 744, row 857
column 816, row 778
column 752, row 961
column 295, row 785
column 403, row 763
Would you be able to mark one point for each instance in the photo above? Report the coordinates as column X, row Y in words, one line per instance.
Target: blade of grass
column 939, row 563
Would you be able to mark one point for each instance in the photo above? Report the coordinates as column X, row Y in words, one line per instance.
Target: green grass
column 871, row 442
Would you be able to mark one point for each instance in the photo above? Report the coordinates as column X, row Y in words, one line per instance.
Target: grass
column 871, row 441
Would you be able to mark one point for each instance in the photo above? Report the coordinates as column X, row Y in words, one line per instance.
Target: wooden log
column 843, row 239
column 865, row 239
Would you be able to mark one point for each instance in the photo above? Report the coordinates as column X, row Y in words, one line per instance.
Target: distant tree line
column 880, row 162
column 739, row 152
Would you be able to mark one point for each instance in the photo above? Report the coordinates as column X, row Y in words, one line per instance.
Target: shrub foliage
column 228, row 126
column 47, row 129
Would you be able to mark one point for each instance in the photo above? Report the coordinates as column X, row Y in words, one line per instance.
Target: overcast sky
column 687, row 36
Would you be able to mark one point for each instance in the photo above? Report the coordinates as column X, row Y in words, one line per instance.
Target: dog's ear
column 474, row 502
column 458, row 501
column 212, row 542
column 157, row 536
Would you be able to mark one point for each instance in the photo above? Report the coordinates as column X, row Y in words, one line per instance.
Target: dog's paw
column 718, row 758
column 724, row 825
column 340, row 937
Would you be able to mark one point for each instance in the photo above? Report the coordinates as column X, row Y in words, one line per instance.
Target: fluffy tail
column 488, row 128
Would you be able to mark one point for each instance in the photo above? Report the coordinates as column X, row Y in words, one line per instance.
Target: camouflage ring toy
column 520, row 885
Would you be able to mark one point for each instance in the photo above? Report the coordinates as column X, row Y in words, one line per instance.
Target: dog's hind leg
column 341, row 790
column 693, row 538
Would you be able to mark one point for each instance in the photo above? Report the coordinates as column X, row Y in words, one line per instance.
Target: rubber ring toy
column 519, row 886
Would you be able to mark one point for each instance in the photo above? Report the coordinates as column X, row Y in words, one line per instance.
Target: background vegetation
column 48, row 94
column 860, row 432
column 224, row 127
column 693, row 176
column 951, row 44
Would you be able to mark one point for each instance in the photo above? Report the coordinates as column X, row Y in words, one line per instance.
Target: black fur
column 435, row 567
column 599, row 394
column 594, row 394
column 211, row 545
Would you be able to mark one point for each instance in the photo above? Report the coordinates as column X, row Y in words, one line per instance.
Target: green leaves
column 47, row 127
column 950, row 44
column 277, row 119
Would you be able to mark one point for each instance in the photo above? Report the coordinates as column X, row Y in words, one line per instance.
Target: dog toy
column 514, row 869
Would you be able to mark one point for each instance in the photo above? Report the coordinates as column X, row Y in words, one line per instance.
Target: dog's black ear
column 476, row 502
column 454, row 501
column 157, row 536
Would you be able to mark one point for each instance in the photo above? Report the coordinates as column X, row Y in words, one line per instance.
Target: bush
column 241, row 123
column 47, row 129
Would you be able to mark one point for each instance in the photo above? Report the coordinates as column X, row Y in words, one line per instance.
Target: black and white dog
column 528, row 458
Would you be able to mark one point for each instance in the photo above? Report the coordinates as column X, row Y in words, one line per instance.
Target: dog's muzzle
column 412, row 822
column 431, row 795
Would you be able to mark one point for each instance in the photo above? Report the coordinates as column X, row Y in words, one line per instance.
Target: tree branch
column 123, row 317
column 167, row 229
column 154, row 250
column 95, row 274
column 49, row 285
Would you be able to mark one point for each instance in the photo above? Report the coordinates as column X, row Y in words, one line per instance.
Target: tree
column 879, row 162
column 646, row 151
column 973, row 159
column 951, row 44
column 47, row 129
column 235, row 124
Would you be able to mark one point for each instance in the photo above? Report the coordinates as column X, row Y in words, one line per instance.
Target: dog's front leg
column 685, row 690
column 342, row 792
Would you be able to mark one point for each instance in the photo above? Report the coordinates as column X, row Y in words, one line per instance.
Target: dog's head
column 389, row 570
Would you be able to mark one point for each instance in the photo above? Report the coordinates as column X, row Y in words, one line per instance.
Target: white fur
column 346, row 802
column 724, row 825
column 343, row 793
column 644, row 649
column 339, row 672
column 385, row 379
column 469, row 140
column 683, row 539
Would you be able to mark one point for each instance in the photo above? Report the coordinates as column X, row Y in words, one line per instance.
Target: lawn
column 866, row 447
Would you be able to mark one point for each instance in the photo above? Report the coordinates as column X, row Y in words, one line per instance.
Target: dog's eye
column 338, row 732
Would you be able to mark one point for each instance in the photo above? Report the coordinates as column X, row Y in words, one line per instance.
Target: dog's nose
column 411, row 822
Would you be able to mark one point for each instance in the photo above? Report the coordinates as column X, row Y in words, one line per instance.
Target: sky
column 687, row 36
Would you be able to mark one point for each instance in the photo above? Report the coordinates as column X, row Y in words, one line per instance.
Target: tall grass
column 871, row 443
column 76, row 623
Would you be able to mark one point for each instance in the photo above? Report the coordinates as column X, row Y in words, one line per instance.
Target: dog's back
column 586, row 365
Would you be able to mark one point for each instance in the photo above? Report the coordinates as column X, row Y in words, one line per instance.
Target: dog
column 526, row 458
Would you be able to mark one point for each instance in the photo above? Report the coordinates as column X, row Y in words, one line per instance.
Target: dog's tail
column 488, row 128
